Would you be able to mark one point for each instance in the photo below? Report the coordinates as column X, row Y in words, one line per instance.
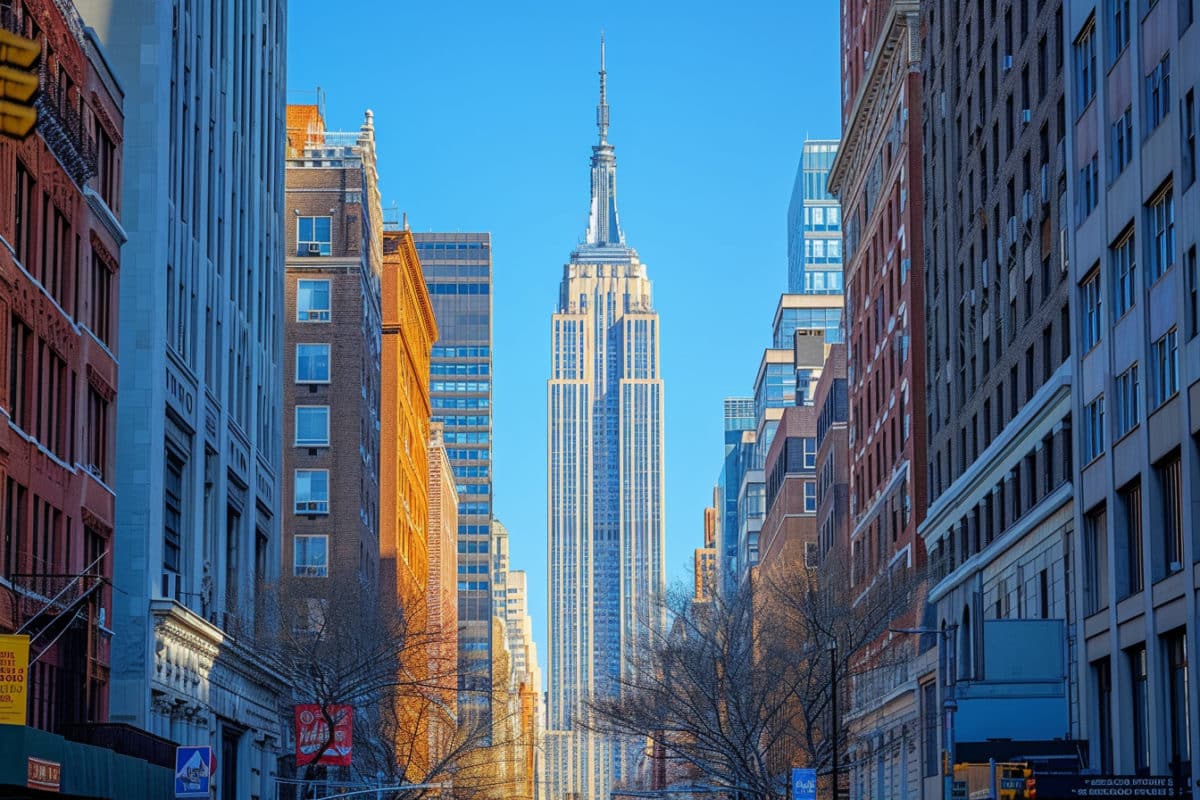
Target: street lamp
column 946, row 635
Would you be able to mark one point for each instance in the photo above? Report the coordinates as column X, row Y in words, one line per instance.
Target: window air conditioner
column 314, row 248
column 170, row 585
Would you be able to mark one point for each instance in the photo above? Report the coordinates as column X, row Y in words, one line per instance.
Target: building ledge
column 1050, row 403
column 1035, row 516
column 868, row 91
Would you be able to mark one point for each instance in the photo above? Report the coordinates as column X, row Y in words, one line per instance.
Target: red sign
column 43, row 774
column 312, row 732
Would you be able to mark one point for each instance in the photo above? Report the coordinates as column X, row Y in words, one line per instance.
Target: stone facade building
column 199, row 478
column 1132, row 219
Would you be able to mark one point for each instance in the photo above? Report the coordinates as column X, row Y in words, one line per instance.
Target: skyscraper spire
column 602, row 108
column 603, row 228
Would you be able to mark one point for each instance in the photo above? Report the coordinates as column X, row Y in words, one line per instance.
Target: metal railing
column 61, row 124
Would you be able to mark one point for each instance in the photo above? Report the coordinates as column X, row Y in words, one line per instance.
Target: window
column 21, row 348
column 172, row 512
column 312, row 426
column 1131, row 509
column 314, row 236
column 1161, row 213
column 1091, row 310
column 931, row 756
column 1124, row 267
column 1141, row 709
column 1187, row 124
column 1170, row 505
column 1180, row 740
column 1085, row 64
column 1193, row 292
column 1102, row 678
column 810, row 452
column 312, row 491
column 1089, row 187
column 1126, row 397
column 102, row 299
column 1095, row 553
column 1121, row 143
column 810, row 496
column 312, row 300
column 1118, row 12
column 312, row 363
column 1093, row 429
column 1164, row 373
column 310, row 558
column 1158, row 94
column 1187, row 15
column 23, row 216
column 97, row 435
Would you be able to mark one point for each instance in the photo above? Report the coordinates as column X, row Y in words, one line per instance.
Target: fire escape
column 66, row 611
column 60, row 122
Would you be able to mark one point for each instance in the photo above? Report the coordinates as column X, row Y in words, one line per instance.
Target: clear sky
column 485, row 116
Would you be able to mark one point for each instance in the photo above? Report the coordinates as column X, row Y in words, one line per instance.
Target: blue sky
column 485, row 116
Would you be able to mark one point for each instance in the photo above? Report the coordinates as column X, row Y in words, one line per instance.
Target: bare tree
column 345, row 648
column 713, row 691
column 839, row 629
column 741, row 686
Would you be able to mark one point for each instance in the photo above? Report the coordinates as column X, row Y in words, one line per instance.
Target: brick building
column 332, row 345
column 704, row 559
column 59, row 268
column 833, row 466
column 787, row 540
column 878, row 178
column 442, row 588
column 409, row 331
column 999, row 522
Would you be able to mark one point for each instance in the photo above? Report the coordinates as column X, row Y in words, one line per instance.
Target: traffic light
column 18, row 84
column 1030, row 785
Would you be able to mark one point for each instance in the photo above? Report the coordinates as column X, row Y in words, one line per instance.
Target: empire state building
column 605, row 473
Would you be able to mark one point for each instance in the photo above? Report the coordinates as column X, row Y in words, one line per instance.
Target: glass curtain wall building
column 458, row 274
column 815, row 224
column 739, row 424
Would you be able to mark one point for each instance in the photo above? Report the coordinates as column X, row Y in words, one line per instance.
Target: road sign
column 193, row 772
column 804, row 784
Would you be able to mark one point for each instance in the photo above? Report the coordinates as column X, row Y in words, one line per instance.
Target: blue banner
column 804, row 784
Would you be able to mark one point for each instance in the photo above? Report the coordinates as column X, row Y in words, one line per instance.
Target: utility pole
column 833, row 712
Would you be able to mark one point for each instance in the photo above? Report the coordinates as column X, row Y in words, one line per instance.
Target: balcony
column 60, row 122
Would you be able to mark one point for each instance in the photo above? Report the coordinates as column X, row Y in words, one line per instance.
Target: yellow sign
column 14, row 678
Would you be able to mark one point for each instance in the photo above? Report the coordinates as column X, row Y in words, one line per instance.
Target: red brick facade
column 877, row 177
column 59, row 201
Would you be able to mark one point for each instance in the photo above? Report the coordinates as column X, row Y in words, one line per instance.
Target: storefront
column 38, row 765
